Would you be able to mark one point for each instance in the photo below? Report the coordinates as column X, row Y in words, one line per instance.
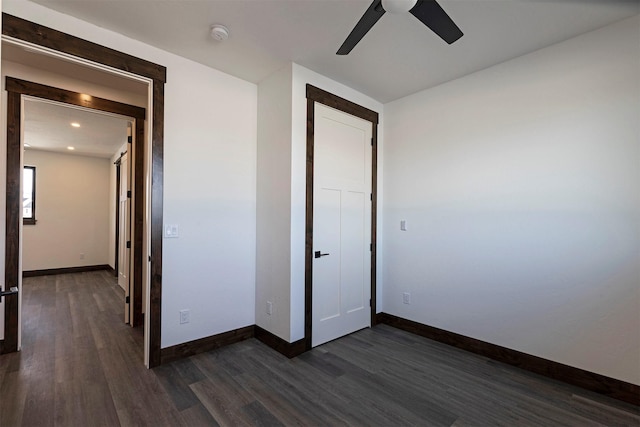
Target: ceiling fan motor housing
column 398, row 6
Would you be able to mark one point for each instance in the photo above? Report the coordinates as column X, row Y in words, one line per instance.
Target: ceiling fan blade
column 370, row 17
column 434, row 17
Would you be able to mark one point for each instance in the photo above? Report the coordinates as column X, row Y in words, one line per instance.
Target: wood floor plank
column 258, row 415
column 14, row 396
column 178, row 390
column 282, row 409
column 198, row 416
column 223, row 408
column 188, row 371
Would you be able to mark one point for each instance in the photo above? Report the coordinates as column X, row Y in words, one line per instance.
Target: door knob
column 318, row 254
column 12, row 290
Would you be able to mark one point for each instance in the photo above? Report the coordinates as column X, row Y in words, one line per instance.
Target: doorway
column 108, row 61
column 18, row 89
column 340, row 292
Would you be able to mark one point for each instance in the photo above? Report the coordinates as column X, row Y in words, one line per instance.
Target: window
column 29, row 195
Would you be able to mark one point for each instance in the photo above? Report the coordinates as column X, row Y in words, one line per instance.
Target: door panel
column 354, row 244
column 342, row 149
column 342, row 224
column 124, row 253
column 327, row 230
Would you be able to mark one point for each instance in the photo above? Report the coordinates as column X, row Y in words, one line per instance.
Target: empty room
column 225, row 259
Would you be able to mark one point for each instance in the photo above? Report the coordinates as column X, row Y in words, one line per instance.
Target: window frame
column 32, row 220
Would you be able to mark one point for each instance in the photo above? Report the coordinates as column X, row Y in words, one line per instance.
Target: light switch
column 171, row 231
column 403, row 225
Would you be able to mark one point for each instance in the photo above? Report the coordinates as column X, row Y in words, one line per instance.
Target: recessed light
column 71, row 148
column 75, row 124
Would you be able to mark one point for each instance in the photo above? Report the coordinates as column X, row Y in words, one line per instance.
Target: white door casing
column 341, row 224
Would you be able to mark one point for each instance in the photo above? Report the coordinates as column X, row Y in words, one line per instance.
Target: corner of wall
column 273, row 195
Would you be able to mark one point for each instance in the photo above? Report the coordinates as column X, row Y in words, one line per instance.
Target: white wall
column 273, row 217
column 520, row 185
column 210, row 192
column 72, row 212
column 209, row 184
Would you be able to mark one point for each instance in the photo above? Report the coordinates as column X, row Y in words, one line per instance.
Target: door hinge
column 369, row 302
column 128, row 244
column 128, row 194
column 372, row 142
column 370, row 247
column 371, row 196
column 149, row 258
column 129, row 139
column 127, row 299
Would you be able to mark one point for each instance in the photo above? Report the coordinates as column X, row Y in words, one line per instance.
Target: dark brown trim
column 38, row 90
column 12, row 222
column 314, row 95
column 66, row 270
column 289, row 349
column 591, row 381
column 157, row 173
column 24, row 87
column 138, row 220
column 179, row 351
column 334, row 101
column 374, row 223
column 31, row 32
column 308, row 245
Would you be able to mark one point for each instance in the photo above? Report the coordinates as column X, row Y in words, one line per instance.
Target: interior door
column 341, row 224
column 124, row 213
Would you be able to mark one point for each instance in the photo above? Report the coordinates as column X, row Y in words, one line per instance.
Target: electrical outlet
column 184, row 316
column 406, row 298
column 269, row 308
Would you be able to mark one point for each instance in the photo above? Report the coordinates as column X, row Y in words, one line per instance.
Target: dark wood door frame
column 14, row 119
column 20, row 29
column 314, row 95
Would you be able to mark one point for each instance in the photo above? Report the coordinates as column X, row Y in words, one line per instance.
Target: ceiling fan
column 428, row 12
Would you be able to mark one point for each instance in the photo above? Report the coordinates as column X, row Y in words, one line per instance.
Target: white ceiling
column 399, row 56
column 47, row 126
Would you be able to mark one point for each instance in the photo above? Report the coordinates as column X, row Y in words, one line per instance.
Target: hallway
column 80, row 364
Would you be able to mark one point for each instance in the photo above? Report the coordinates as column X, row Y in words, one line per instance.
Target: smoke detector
column 219, row 32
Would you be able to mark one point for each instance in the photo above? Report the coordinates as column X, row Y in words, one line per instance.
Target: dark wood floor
column 81, row 366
